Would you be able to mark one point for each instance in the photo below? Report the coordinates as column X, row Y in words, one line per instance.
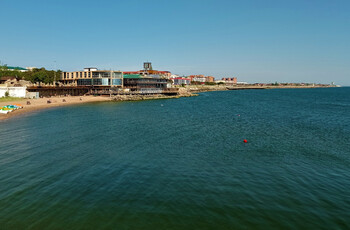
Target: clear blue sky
column 260, row 41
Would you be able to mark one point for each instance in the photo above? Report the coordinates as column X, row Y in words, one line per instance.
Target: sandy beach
column 41, row 103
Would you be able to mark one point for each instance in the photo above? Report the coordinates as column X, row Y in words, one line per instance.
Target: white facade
column 13, row 91
column 90, row 69
column 199, row 79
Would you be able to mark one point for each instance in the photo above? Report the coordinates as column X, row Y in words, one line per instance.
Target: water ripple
column 183, row 165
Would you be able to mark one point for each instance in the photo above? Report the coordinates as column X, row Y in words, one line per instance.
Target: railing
column 135, row 92
column 145, row 82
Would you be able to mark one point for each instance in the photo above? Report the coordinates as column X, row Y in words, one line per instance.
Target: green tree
column 42, row 75
column 36, row 75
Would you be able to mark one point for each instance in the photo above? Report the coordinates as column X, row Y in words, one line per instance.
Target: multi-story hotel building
column 227, row 80
column 93, row 76
column 143, row 81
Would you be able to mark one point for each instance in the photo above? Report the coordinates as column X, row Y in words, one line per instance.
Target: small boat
column 9, row 108
column 4, row 111
column 19, row 106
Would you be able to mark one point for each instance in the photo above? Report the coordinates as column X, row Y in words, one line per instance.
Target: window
column 84, row 81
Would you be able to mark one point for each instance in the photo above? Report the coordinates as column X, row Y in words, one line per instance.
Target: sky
column 254, row 40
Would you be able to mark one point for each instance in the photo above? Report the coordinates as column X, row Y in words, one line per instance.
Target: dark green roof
column 16, row 67
column 130, row 76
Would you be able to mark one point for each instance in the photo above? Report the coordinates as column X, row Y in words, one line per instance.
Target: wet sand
column 41, row 103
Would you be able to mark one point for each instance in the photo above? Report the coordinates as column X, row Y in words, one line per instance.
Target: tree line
column 36, row 75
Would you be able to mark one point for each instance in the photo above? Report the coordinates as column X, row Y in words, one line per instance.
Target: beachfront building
column 232, row 80
column 210, row 79
column 228, row 80
column 144, row 83
column 147, row 80
column 201, row 79
column 197, row 79
column 177, row 80
column 149, row 71
column 93, row 77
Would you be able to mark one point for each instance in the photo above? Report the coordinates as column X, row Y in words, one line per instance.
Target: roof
column 16, row 67
column 131, row 76
column 5, row 78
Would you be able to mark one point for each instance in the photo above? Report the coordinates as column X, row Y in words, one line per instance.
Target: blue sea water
column 181, row 163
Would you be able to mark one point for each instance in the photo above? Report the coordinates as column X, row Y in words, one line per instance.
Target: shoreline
column 189, row 91
column 41, row 103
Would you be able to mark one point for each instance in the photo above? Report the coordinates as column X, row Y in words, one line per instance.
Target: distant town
column 34, row 82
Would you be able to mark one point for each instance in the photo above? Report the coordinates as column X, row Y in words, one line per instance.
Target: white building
column 13, row 91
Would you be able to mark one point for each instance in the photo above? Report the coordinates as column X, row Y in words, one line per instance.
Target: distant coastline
column 203, row 88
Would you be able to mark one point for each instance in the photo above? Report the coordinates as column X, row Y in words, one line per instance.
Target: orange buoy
column 245, row 141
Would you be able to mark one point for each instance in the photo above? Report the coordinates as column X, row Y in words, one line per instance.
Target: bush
column 7, row 94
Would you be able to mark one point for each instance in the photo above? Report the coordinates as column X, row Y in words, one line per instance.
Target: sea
column 181, row 163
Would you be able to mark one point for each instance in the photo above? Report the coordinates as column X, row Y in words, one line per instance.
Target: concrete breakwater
column 149, row 97
column 206, row 88
column 140, row 97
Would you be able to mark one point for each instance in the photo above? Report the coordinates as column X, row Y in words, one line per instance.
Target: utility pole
column 111, row 84
column 122, row 80
column 54, row 78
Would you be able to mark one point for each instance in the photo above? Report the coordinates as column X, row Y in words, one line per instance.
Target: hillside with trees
column 36, row 75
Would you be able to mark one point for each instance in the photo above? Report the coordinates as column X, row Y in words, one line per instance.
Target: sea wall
column 140, row 97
